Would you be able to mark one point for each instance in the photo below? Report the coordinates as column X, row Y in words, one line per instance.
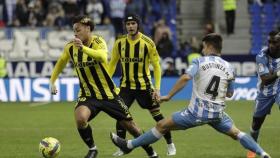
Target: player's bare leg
column 82, row 114
column 247, row 141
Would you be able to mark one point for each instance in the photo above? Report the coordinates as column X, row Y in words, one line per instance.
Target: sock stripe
column 156, row 133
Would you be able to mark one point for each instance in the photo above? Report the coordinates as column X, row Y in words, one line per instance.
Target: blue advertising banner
column 37, row 89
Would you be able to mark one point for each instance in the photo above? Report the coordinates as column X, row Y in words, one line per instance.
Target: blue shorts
column 264, row 104
column 185, row 120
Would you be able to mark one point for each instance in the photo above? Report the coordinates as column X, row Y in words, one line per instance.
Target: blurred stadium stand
column 264, row 18
column 34, row 41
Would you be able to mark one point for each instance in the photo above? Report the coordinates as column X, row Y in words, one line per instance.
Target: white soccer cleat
column 118, row 153
column 155, row 155
column 265, row 155
column 171, row 149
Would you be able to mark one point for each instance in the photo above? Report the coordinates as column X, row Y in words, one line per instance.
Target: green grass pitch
column 23, row 125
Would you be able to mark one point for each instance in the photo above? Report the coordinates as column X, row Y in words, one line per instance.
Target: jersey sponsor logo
column 85, row 64
column 134, row 60
column 82, row 99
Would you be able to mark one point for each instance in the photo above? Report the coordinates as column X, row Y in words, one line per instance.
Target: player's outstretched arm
column 180, row 84
column 59, row 66
column 114, row 60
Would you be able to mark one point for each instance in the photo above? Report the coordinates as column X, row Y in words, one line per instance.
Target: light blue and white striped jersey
column 212, row 79
column 265, row 65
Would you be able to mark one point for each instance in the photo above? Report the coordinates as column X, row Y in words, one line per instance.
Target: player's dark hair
column 133, row 17
column 214, row 40
column 85, row 20
column 273, row 33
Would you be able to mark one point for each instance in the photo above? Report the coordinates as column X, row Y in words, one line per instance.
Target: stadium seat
column 268, row 8
column 254, row 8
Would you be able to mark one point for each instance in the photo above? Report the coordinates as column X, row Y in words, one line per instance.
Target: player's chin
column 131, row 32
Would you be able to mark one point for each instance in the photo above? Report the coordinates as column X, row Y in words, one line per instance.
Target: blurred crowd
column 157, row 16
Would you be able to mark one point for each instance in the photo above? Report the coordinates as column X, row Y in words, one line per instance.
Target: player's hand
column 156, row 95
column 77, row 43
column 53, row 89
column 117, row 90
column 164, row 98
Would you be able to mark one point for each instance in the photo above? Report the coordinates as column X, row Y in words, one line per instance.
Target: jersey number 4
column 213, row 86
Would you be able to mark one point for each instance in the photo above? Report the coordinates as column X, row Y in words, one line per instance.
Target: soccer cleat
column 265, row 155
column 120, row 142
column 251, row 154
column 171, row 149
column 155, row 155
column 118, row 153
column 92, row 154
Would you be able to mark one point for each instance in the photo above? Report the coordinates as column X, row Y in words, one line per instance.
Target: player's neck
column 134, row 37
column 212, row 52
column 87, row 41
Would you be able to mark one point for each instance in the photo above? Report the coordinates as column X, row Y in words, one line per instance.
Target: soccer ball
column 49, row 147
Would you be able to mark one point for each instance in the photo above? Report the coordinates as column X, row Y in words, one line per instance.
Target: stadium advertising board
column 32, row 52
column 33, row 69
column 37, row 89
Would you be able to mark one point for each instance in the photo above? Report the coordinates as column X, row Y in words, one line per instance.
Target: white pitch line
column 38, row 104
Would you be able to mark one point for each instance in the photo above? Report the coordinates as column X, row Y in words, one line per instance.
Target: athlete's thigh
column 167, row 124
column 115, row 108
column 127, row 96
column 223, row 125
column 83, row 105
column 145, row 99
column 263, row 105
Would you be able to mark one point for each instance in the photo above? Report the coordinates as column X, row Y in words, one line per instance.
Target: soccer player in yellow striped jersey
column 136, row 52
column 97, row 90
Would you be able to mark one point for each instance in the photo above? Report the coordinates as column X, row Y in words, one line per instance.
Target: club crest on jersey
column 135, row 60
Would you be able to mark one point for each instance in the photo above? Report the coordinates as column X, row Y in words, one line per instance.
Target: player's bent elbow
column 186, row 77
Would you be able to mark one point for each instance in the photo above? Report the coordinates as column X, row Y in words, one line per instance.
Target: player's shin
column 121, row 132
column 157, row 117
column 86, row 135
column 147, row 138
column 255, row 134
column 248, row 142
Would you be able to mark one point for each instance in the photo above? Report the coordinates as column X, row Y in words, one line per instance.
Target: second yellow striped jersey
column 91, row 66
column 135, row 57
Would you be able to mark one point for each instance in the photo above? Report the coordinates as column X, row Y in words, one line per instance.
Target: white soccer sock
column 93, row 148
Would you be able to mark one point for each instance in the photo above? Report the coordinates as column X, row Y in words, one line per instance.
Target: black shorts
column 113, row 107
column 143, row 97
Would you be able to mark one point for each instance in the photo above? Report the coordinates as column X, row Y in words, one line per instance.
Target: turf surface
column 23, row 125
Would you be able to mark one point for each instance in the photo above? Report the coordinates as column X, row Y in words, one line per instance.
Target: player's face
column 81, row 31
column 274, row 44
column 131, row 27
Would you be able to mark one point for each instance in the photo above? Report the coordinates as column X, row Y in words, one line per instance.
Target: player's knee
column 161, row 127
column 81, row 122
column 233, row 133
